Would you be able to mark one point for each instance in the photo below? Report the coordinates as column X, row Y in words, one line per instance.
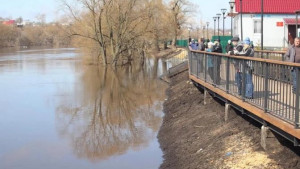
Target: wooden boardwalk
column 273, row 99
column 281, row 100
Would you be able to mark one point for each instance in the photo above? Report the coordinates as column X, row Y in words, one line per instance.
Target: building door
column 291, row 33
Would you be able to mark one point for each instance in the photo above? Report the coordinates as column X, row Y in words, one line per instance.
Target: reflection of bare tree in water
column 111, row 111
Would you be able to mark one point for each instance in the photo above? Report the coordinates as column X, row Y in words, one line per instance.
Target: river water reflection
column 59, row 113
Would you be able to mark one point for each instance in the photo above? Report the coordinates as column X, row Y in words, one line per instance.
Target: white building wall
column 274, row 36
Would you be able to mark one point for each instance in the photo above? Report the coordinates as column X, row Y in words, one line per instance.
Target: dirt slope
column 195, row 136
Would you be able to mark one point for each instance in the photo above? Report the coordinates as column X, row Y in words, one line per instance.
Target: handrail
column 270, row 51
column 251, row 58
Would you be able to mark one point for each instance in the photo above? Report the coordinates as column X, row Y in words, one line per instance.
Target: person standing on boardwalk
column 193, row 45
column 217, row 61
column 229, row 47
column 237, row 48
column 201, row 45
column 210, row 65
column 246, row 51
column 293, row 55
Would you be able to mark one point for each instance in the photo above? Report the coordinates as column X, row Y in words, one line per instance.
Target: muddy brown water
column 57, row 112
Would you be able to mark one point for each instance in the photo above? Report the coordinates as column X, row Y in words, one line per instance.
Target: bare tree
column 115, row 25
column 179, row 10
column 41, row 18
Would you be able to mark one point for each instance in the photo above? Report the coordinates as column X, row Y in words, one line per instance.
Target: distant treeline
column 53, row 35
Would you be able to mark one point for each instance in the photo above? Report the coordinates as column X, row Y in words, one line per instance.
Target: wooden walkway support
column 275, row 100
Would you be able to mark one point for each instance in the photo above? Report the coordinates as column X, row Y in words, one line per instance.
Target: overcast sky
column 29, row 9
column 207, row 9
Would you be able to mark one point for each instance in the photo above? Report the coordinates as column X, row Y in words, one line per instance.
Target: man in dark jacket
column 229, row 47
column 293, row 55
column 217, row 61
column 237, row 47
column 217, row 47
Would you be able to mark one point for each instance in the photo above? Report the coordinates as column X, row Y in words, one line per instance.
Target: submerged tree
column 119, row 31
column 116, row 26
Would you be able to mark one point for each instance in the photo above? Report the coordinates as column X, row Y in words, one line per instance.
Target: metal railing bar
column 277, row 62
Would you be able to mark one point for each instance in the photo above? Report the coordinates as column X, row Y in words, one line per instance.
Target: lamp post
column 218, row 16
column 231, row 3
column 223, row 12
column 207, row 24
column 241, row 8
column 297, row 13
column 215, row 18
column 189, row 34
column 262, row 25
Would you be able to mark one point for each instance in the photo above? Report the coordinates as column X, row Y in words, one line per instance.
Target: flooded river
column 57, row 112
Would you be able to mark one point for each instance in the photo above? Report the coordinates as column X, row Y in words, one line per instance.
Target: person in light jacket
column 210, row 65
column 293, row 55
column 249, row 52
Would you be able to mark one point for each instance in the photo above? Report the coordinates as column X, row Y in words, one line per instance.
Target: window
column 257, row 26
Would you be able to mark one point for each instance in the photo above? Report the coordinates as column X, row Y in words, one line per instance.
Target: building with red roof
column 9, row 22
column 279, row 21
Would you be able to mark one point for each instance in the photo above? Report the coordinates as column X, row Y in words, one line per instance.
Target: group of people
column 242, row 48
column 234, row 47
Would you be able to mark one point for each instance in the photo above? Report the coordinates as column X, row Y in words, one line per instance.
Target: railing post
column 244, row 80
column 191, row 62
column 197, row 58
column 215, row 70
column 268, row 55
column 297, row 98
column 227, row 75
column 282, row 56
column 205, row 66
column 266, row 87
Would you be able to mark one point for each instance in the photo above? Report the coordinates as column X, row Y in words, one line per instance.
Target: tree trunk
column 104, row 57
column 156, row 42
column 174, row 41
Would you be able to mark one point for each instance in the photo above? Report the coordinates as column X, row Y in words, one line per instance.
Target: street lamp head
column 215, row 18
column 223, row 11
column 218, row 15
column 207, row 23
column 231, row 3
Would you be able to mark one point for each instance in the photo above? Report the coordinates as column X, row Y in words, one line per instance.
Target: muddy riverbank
column 194, row 135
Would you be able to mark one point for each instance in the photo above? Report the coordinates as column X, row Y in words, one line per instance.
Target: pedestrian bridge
column 273, row 103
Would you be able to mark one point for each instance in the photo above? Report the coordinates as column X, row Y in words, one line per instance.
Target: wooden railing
column 268, row 54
